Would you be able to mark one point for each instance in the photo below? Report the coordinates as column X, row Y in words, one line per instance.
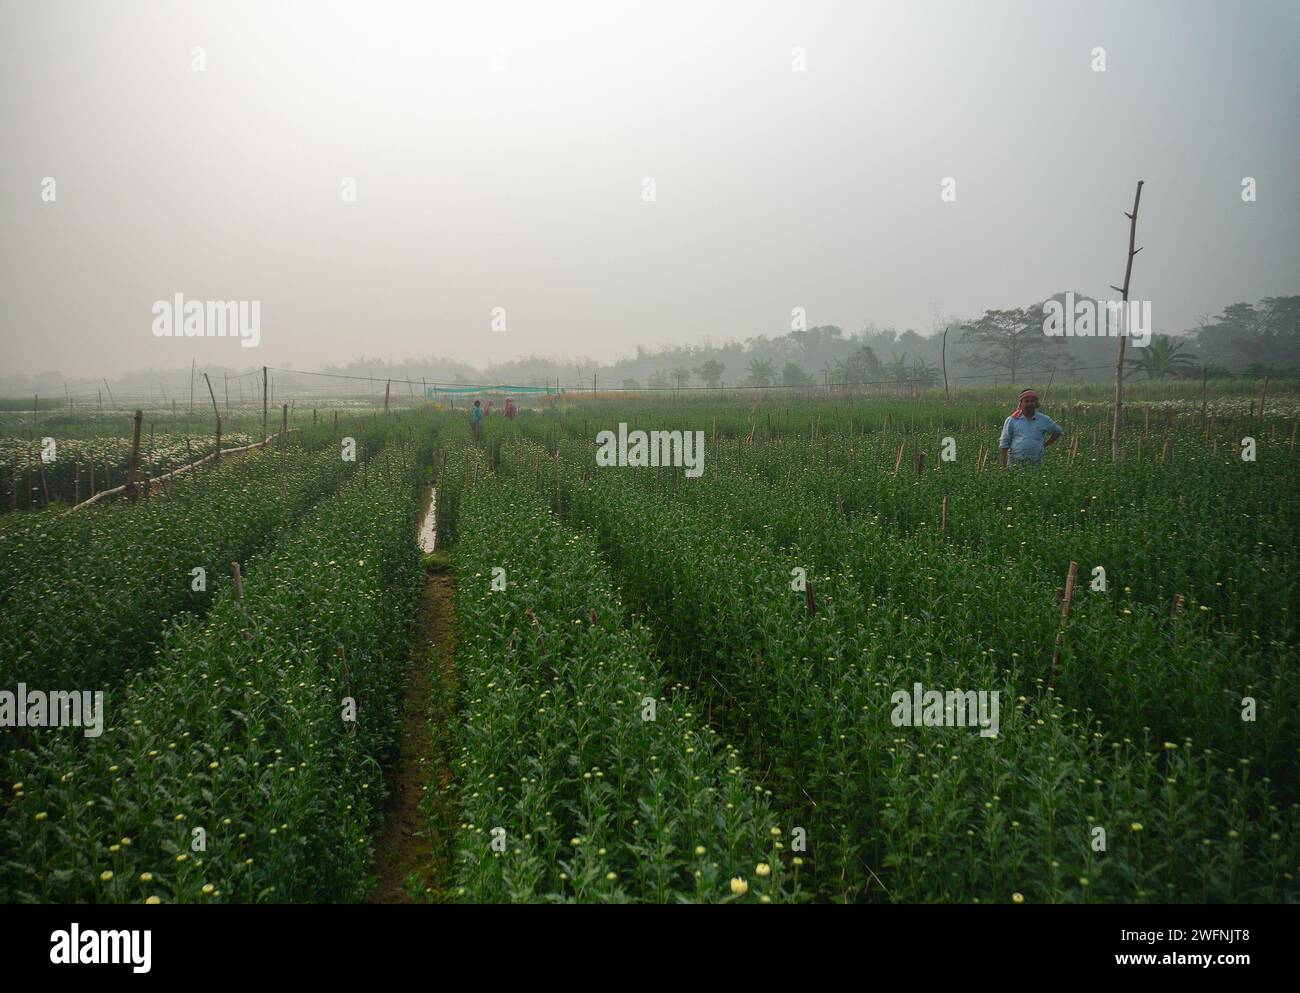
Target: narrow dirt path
column 413, row 854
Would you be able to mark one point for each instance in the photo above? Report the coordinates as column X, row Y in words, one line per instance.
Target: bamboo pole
column 239, row 598
column 217, row 412
column 1123, row 338
column 1065, row 616
column 134, row 464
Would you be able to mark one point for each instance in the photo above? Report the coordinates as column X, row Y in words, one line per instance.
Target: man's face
column 1028, row 406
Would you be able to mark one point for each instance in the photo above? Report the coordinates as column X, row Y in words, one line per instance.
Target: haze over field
column 500, row 153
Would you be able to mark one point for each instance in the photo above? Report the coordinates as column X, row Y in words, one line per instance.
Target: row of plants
column 85, row 594
column 246, row 764
column 1214, row 529
column 1185, row 519
column 1217, row 535
column 91, row 601
column 1126, row 658
column 583, row 775
column 939, row 813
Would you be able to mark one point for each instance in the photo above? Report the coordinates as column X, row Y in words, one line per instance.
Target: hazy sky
column 499, row 153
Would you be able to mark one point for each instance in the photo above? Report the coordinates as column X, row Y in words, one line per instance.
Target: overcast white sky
column 522, row 188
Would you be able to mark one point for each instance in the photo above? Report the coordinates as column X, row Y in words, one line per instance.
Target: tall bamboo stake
column 1065, row 616
column 1123, row 338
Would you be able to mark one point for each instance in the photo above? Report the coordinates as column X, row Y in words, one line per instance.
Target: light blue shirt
column 1024, row 437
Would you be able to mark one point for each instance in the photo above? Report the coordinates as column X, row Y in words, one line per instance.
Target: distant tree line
column 998, row 346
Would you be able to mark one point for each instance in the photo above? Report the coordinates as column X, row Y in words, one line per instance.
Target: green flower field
column 753, row 683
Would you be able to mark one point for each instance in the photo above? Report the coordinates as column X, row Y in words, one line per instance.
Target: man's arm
column 1004, row 443
column 1054, row 434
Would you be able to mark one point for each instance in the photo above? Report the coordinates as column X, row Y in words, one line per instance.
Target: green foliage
column 237, row 730
column 1137, row 728
column 593, row 801
column 86, row 592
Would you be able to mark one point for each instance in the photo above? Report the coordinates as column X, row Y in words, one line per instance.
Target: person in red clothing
column 511, row 410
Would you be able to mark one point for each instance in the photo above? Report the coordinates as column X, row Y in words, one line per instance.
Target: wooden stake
column 943, row 517
column 1065, row 616
column 239, row 598
column 133, row 465
column 217, row 450
column 1123, row 338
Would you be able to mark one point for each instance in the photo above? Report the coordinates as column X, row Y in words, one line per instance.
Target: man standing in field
column 1026, row 433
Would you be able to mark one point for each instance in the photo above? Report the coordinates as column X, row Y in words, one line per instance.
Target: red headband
column 1023, row 395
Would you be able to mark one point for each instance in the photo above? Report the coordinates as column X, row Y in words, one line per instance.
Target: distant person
column 511, row 410
column 476, row 418
column 1027, row 433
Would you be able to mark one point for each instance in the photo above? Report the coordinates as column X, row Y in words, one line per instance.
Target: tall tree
column 710, row 372
column 861, row 366
column 1245, row 334
column 1007, row 339
column 793, row 374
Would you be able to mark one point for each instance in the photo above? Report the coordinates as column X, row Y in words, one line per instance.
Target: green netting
column 432, row 392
